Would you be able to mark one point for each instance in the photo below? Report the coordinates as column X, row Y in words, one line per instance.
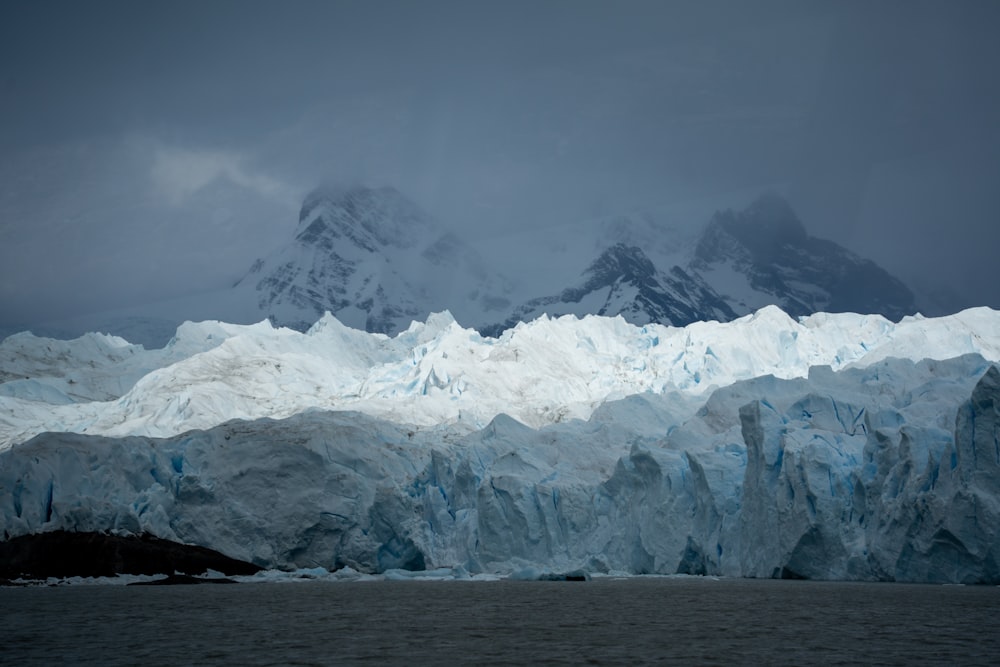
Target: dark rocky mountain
column 623, row 281
column 767, row 247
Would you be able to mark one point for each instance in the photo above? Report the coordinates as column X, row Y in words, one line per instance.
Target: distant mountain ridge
column 377, row 262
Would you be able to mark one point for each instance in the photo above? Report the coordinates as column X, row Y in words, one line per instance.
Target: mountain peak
column 766, row 248
column 766, row 225
column 331, row 193
column 374, row 260
column 620, row 261
column 368, row 217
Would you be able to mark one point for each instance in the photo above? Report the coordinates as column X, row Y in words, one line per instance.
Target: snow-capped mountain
column 835, row 446
column 740, row 262
column 375, row 260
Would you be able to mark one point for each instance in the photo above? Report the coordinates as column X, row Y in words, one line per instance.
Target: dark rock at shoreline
column 183, row 579
column 68, row 554
column 575, row 575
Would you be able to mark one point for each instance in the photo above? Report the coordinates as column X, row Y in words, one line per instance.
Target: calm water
column 682, row 621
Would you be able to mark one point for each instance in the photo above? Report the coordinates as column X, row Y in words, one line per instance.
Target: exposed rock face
column 70, row 554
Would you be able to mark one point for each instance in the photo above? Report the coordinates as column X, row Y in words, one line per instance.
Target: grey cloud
column 189, row 131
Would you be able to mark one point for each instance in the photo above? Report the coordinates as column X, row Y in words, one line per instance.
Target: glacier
column 833, row 446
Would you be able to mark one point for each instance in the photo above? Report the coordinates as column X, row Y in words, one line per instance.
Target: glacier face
column 886, row 472
column 565, row 444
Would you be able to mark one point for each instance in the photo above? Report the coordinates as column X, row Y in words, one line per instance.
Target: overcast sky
column 156, row 148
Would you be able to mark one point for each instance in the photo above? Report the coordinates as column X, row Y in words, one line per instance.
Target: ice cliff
column 834, row 447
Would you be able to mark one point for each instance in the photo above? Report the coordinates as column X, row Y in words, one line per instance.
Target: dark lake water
column 612, row 622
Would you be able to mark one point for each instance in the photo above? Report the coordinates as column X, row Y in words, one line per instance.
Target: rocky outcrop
column 63, row 554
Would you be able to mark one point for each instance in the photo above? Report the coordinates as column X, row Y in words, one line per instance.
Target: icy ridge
column 542, row 372
column 96, row 366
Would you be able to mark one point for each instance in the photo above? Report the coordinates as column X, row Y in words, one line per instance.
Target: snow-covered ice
column 836, row 446
column 436, row 372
